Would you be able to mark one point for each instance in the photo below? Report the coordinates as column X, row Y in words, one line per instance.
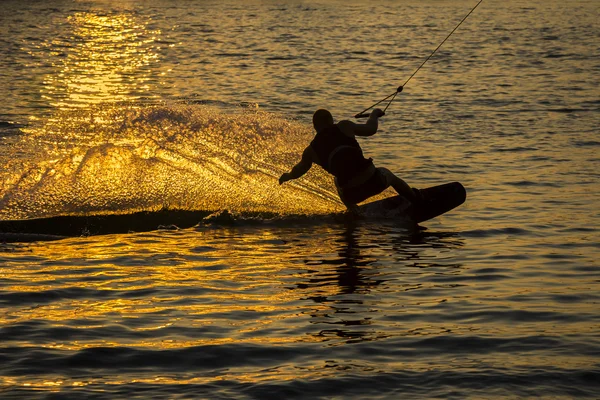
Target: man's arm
column 301, row 168
column 351, row 129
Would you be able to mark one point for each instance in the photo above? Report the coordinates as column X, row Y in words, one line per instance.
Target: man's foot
column 352, row 209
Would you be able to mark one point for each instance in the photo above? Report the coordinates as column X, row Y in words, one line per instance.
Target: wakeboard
column 436, row 201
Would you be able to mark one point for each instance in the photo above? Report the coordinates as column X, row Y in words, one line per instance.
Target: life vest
column 339, row 154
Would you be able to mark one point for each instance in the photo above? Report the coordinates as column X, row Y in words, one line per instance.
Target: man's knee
column 388, row 175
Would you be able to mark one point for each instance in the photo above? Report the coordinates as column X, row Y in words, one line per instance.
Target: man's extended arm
column 299, row 169
column 369, row 129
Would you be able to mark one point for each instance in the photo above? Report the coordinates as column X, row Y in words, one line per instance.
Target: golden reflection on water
column 250, row 282
column 107, row 58
column 253, row 286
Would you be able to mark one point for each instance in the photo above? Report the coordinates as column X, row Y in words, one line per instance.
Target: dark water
column 144, row 106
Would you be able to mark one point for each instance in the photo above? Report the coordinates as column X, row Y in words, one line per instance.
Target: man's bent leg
column 353, row 208
column 398, row 184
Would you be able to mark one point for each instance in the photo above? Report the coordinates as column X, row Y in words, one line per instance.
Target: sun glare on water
column 104, row 58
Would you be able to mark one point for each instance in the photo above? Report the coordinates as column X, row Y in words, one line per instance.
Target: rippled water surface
column 142, row 106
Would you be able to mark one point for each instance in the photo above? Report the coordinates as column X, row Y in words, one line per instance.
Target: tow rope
column 364, row 114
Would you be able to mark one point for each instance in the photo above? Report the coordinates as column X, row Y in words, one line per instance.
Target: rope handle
column 364, row 114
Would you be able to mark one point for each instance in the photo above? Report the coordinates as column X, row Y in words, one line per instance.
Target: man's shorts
column 357, row 194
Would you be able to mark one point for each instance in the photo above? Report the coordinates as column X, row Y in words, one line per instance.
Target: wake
column 117, row 160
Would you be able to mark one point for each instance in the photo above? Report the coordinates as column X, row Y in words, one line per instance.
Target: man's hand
column 299, row 169
column 376, row 113
column 284, row 178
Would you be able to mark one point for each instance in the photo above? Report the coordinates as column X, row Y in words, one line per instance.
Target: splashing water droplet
column 120, row 159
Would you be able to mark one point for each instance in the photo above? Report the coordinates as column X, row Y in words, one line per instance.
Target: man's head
column 322, row 119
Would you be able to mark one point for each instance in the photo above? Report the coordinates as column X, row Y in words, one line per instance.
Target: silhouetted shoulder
column 348, row 128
